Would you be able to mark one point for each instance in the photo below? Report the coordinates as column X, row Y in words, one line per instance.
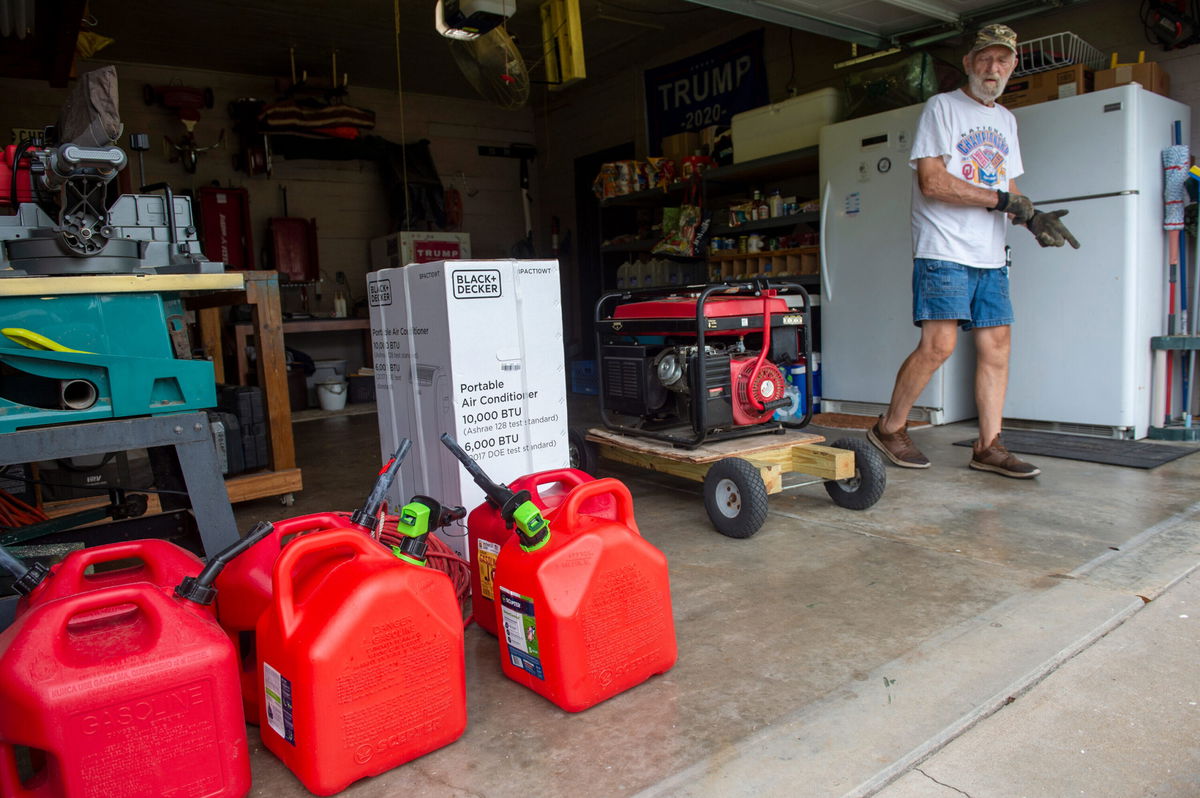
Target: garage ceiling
column 886, row 23
column 255, row 36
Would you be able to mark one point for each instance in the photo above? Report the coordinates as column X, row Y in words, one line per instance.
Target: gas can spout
column 200, row 588
column 516, row 508
column 364, row 517
column 27, row 577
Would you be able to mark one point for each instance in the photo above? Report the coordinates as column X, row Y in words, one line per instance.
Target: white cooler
column 792, row 124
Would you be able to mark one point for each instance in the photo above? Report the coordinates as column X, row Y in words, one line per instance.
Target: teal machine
column 67, row 356
column 87, row 357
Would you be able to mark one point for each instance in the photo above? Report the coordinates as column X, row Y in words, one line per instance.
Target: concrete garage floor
column 951, row 640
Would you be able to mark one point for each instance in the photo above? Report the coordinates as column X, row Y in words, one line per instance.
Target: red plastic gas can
column 244, row 591
column 486, row 531
column 24, row 184
column 122, row 704
column 158, row 562
column 361, row 656
column 588, row 615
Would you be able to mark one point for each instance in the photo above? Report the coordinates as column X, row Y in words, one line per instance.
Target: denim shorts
column 943, row 289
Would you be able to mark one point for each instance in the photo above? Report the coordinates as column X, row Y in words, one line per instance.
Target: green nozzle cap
column 535, row 532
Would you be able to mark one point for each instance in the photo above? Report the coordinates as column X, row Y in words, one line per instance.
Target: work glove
column 1049, row 230
column 1020, row 206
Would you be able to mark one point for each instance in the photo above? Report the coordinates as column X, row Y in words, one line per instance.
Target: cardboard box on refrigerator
column 1150, row 74
column 1053, row 84
column 403, row 248
column 475, row 349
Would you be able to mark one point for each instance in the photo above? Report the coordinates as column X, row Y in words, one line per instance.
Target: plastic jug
column 361, row 656
column 487, row 532
column 160, row 563
column 244, row 591
column 588, row 614
column 121, row 704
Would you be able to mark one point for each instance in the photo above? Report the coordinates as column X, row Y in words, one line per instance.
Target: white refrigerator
column 866, row 274
column 1081, row 356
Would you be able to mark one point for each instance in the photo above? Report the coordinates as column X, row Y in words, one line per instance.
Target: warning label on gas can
column 485, row 559
column 520, row 632
column 279, row 703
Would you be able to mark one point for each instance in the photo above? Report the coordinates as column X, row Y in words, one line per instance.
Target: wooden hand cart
column 740, row 474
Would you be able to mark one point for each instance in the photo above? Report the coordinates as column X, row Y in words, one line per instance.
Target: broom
column 1175, row 164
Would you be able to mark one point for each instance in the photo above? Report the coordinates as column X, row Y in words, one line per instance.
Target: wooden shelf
column 640, row 245
column 769, row 168
column 259, row 484
column 262, row 295
column 764, row 224
column 781, row 263
column 651, row 198
column 721, row 256
column 354, row 409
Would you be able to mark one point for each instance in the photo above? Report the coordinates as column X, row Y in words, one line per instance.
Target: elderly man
column 966, row 158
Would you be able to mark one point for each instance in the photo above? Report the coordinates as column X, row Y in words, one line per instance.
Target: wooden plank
column 708, row 452
column 244, row 487
column 772, row 477
column 67, row 506
column 263, row 484
column 772, row 474
column 120, row 284
column 262, row 289
column 823, row 462
column 209, row 321
column 652, row 462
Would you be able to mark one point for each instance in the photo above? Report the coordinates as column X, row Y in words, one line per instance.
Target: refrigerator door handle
column 826, row 282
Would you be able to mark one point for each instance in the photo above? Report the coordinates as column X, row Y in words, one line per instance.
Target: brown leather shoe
column 897, row 446
column 1001, row 461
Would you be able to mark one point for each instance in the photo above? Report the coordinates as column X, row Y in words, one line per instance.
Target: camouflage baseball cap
column 995, row 34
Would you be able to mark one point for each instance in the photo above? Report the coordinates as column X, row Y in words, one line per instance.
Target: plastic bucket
column 331, row 394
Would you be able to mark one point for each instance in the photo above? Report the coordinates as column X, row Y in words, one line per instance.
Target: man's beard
column 981, row 89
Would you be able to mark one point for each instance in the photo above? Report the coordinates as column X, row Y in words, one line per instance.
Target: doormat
column 1108, row 451
column 847, row 421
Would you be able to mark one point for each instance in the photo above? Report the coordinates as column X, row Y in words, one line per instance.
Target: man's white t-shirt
column 978, row 144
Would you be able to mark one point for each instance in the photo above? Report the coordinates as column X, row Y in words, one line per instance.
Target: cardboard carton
column 680, row 146
column 1151, row 75
column 473, row 348
column 401, row 249
column 1054, row 84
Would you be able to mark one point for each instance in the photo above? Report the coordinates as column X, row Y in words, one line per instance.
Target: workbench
column 187, row 433
column 207, row 293
column 261, row 292
column 244, row 332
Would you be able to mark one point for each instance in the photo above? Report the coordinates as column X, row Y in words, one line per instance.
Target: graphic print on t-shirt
column 983, row 151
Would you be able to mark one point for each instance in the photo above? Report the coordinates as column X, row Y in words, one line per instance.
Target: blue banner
column 705, row 89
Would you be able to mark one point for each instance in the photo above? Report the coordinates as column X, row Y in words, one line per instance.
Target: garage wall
column 605, row 111
column 345, row 197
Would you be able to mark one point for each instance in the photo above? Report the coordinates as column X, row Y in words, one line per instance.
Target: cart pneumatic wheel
column 870, row 476
column 581, row 452
column 735, row 497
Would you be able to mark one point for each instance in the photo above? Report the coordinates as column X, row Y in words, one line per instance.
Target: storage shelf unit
column 773, row 223
column 718, row 186
column 785, row 262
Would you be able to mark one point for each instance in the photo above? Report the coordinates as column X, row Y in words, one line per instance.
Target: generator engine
column 687, row 376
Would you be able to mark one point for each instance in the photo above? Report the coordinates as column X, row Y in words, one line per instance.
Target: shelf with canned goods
column 770, row 223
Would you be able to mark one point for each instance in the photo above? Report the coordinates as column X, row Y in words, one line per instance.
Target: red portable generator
column 654, row 381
